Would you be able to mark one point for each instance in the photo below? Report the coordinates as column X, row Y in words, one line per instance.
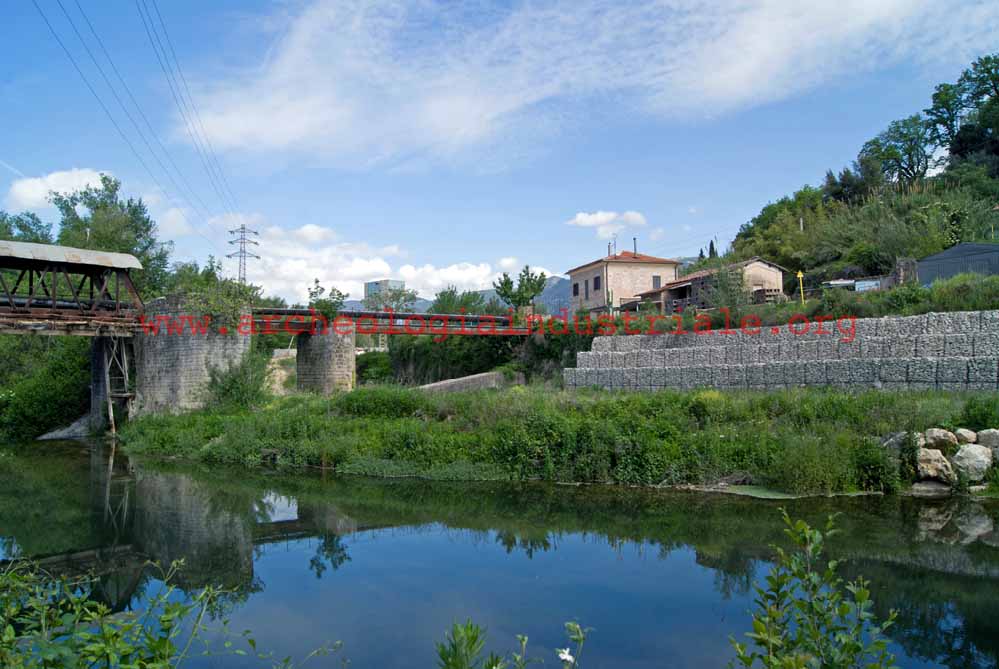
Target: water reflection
column 656, row 573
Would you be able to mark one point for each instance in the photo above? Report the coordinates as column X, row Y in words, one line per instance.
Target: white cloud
column 508, row 263
column 173, row 223
column 656, row 234
column 607, row 223
column 33, row 192
column 687, row 228
column 290, row 259
column 365, row 81
column 693, row 211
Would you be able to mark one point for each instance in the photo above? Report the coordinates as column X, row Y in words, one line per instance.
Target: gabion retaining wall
column 953, row 351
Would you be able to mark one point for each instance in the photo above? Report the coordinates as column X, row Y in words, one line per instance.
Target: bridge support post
column 172, row 365
column 98, row 386
column 325, row 362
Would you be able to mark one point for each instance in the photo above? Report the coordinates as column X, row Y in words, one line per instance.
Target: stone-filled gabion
column 956, row 351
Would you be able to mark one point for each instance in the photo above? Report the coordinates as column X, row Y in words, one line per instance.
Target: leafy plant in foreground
column 49, row 622
column 805, row 620
column 463, row 646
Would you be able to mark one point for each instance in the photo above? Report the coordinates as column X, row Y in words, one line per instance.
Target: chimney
column 608, row 248
column 634, row 241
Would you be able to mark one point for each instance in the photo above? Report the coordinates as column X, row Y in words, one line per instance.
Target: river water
column 662, row 578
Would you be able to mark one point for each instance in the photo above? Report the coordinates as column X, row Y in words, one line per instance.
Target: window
column 575, row 290
column 657, row 281
column 596, row 283
column 586, row 289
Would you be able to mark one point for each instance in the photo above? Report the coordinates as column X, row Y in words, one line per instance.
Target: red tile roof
column 628, row 257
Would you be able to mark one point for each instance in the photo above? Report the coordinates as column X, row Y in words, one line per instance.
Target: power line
column 242, row 253
column 197, row 115
column 142, row 114
column 157, row 45
column 103, row 106
column 93, row 92
column 117, row 98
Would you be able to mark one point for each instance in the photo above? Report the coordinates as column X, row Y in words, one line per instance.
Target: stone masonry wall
column 952, row 351
column 325, row 362
column 171, row 370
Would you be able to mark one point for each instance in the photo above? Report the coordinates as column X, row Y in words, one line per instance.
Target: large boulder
column 965, row 436
column 893, row 445
column 931, row 465
column 940, row 439
column 973, row 460
column 989, row 438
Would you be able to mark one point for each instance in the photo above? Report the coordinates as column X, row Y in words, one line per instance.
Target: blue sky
column 442, row 142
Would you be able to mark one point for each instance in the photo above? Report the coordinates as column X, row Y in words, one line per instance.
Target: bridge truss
column 58, row 290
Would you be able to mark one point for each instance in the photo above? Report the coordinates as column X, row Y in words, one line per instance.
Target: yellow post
column 801, row 286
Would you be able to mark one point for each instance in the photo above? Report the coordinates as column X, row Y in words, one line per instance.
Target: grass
column 803, row 441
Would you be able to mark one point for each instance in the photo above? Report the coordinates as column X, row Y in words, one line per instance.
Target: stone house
column 603, row 285
column 761, row 278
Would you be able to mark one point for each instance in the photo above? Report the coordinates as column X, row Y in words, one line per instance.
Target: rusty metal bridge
column 48, row 289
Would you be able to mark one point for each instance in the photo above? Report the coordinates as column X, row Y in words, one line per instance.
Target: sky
column 443, row 142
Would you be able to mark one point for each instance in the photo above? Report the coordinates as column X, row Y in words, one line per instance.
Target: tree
column 529, row 285
column 903, row 150
column 110, row 223
column 26, row 227
column 700, row 255
column 450, row 301
column 326, row 304
column 978, row 138
column 981, row 80
column 945, row 114
column 396, row 299
column 712, row 251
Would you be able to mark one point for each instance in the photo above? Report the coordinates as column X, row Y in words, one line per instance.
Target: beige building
column 607, row 283
column 761, row 278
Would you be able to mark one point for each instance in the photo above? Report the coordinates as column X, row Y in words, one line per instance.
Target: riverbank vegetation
column 801, row 441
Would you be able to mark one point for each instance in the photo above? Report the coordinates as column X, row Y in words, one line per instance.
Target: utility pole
column 242, row 253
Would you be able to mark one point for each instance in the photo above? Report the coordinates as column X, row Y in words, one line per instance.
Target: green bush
column 981, row 412
column 243, row 385
column 381, row 403
column 808, row 617
column 374, row 367
column 49, row 392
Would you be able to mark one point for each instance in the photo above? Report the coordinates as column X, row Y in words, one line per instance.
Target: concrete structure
column 951, row 351
column 375, row 287
column 762, row 279
column 172, row 370
column 483, row 381
column 606, row 283
column 325, row 362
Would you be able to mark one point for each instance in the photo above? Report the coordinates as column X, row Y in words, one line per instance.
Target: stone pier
column 325, row 362
column 172, row 369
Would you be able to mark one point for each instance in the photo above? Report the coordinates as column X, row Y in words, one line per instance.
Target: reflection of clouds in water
column 8, row 548
column 275, row 508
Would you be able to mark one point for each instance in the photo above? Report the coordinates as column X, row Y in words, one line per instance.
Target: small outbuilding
column 973, row 257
